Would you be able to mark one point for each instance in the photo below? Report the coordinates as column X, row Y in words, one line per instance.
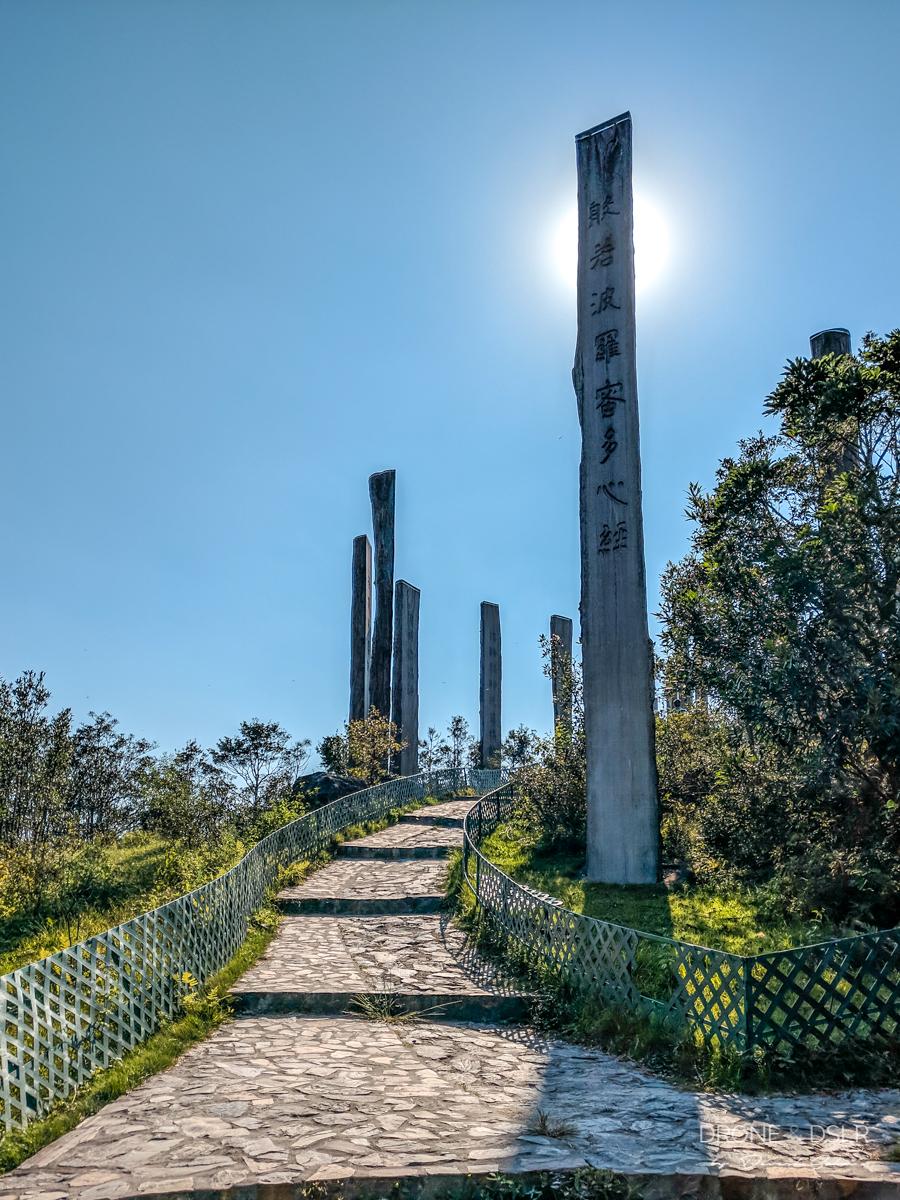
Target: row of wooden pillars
column 384, row 641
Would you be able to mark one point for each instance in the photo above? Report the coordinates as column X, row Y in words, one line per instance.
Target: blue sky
column 252, row 252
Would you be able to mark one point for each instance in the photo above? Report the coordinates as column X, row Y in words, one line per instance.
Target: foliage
column 458, row 748
column 668, row 1048
column 740, row 920
column 187, row 797
column 520, row 748
column 782, row 638
column 371, row 742
column 73, row 801
column 429, row 752
column 35, row 758
column 584, row 1183
column 550, row 774
column 108, row 772
column 333, row 752
column 263, row 763
column 580, row 1183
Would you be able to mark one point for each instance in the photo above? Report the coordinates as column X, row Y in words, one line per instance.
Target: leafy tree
column 332, row 750
column 262, row 761
column 188, row 797
column 429, row 752
column 109, row 769
column 520, row 747
column 783, row 622
column 458, row 748
column 35, row 758
column 371, row 742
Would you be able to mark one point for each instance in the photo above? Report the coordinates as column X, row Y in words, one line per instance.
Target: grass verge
column 739, row 921
column 672, row 1049
column 204, row 1009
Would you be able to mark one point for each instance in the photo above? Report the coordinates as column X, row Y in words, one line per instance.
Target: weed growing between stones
column 384, row 1007
column 547, row 1125
column 387, row 1007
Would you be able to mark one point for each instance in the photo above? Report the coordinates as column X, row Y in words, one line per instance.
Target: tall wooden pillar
column 360, row 627
column 623, row 812
column 405, row 687
column 381, row 493
column 491, row 678
column 560, row 661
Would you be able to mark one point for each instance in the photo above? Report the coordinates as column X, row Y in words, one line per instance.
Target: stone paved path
column 273, row 1100
column 358, row 885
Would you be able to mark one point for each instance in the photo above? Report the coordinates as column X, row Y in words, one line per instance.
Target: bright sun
column 651, row 246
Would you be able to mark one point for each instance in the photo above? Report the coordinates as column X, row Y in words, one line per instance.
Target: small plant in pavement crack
column 548, row 1126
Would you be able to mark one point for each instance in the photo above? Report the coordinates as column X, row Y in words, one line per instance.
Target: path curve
column 296, row 1088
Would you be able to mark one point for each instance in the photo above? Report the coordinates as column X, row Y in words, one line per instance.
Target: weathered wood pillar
column 360, row 627
column 491, row 679
column 623, row 812
column 560, row 661
column 405, row 686
column 829, row 341
column 381, row 493
column 836, row 341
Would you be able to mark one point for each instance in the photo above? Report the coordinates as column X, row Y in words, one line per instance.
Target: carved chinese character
column 608, row 395
column 609, row 489
column 610, row 445
column 612, row 539
column 597, row 210
column 606, row 345
column 603, row 253
column 601, row 301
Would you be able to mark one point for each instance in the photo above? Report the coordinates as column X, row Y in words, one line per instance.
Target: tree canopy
column 782, row 625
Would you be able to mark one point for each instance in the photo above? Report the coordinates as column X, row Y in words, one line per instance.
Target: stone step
column 425, row 818
column 396, row 853
column 410, row 840
column 449, row 814
column 483, row 1008
column 370, row 885
column 319, row 963
column 359, row 905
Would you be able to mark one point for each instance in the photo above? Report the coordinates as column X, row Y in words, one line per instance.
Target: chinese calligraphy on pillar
column 623, row 827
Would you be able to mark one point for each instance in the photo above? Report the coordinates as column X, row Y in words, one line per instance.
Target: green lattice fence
column 812, row 996
column 67, row 1016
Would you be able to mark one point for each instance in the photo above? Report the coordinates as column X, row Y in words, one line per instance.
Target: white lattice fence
column 67, row 1016
column 812, row 996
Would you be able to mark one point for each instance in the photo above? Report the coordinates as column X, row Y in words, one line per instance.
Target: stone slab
column 404, row 840
column 450, row 813
column 280, row 1100
column 348, row 885
column 424, row 955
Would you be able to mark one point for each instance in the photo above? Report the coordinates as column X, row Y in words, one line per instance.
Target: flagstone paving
column 361, row 885
column 405, row 952
column 275, row 1100
column 450, row 812
column 405, row 840
column 281, row 1099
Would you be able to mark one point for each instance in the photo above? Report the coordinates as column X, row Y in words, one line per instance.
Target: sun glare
column 651, row 245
